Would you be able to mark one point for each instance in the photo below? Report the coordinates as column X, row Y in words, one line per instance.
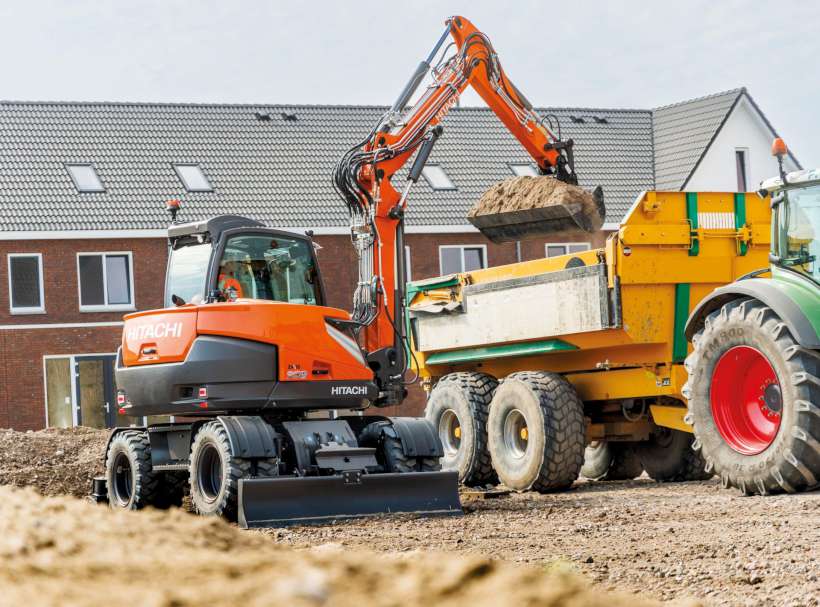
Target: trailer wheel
column 458, row 408
column 536, row 432
column 215, row 473
column 754, row 401
column 604, row 461
column 668, row 457
column 131, row 482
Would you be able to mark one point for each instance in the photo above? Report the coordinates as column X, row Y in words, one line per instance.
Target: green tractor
column 754, row 372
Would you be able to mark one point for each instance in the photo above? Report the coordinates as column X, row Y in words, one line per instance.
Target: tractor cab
column 796, row 221
column 229, row 257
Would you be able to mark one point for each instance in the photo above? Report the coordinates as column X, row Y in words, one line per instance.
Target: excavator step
column 281, row 501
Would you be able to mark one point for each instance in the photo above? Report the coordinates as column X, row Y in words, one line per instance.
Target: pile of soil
column 63, row 551
column 525, row 193
column 54, row 461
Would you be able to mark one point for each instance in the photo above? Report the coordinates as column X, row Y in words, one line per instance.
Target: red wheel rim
column 747, row 401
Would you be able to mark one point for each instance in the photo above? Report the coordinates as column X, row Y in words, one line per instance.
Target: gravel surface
column 65, row 551
column 667, row 541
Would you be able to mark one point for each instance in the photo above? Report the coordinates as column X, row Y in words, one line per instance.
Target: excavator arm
column 363, row 178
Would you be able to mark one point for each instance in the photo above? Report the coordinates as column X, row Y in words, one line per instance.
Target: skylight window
column 523, row 170
column 85, row 178
column 437, row 178
column 193, row 178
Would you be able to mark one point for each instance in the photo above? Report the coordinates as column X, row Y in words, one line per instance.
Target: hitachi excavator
column 254, row 369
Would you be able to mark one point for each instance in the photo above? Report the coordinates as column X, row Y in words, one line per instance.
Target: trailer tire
column 536, row 432
column 215, row 473
column 458, row 408
column 747, row 454
column 604, row 461
column 132, row 483
column 668, row 457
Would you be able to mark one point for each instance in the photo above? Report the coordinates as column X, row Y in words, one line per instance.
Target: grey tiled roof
column 683, row 132
column 275, row 170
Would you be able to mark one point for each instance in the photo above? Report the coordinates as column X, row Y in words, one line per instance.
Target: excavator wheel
column 536, row 431
column 458, row 408
column 131, row 482
column 215, row 473
column 390, row 453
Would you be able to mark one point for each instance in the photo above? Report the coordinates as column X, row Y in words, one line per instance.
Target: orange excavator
column 255, row 370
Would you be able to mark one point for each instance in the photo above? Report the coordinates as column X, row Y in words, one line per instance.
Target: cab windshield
column 187, row 272
column 275, row 268
column 799, row 230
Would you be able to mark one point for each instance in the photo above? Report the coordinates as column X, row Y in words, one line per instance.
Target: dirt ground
column 65, row 551
column 668, row 542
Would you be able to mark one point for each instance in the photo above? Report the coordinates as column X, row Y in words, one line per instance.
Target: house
column 82, row 219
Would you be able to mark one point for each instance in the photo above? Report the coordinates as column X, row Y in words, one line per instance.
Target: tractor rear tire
column 754, row 401
column 458, row 408
column 668, row 457
column 536, row 432
column 215, row 473
column 605, row 461
column 132, row 483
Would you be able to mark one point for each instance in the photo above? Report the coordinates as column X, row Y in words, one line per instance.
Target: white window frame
column 185, row 184
column 408, row 266
column 107, row 307
column 41, row 309
column 451, row 188
column 566, row 246
column 94, row 170
column 512, row 166
column 483, row 247
column 745, row 165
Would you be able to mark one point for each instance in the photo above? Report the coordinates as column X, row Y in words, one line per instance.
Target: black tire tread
column 478, row 389
column 147, row 484
column 799, row 467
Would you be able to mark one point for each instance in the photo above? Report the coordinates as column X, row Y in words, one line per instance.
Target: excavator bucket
column 531, row 207
column 277, row 502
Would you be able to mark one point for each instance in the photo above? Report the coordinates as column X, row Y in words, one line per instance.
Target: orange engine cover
column 308, row 347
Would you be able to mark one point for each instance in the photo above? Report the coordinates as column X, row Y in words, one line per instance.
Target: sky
column 612, row 54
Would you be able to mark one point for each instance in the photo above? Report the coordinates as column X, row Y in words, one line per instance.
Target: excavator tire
column 390, row 453
column 536, row 431
column 458, row 408
column 668, row 457
column 214, row 473
column 132, row 483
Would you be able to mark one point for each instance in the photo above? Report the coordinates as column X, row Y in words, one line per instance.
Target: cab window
column 275, row 268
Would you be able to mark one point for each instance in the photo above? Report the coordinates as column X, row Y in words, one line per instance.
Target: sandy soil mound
column 525, row 193
column 63, row 551
column 54, row 461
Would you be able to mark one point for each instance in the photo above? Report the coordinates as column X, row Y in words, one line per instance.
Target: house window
column 408, row 273
column 461, row 258
column 106, row 282
column 85, row 178
column 565, row 248
column 524, row 170
column 26, row 283
column 193, row 178
column 742, row 169
column 437, row 178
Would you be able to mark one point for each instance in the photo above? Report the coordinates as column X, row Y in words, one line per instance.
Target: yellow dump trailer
column 529, row 363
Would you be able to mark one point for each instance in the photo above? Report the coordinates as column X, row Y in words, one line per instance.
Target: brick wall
column 22, row 398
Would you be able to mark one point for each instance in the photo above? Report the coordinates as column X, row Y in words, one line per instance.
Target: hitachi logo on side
column 160, row 329
column 348, row 391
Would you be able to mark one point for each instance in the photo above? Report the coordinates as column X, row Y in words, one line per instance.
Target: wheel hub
column 449, row 431
column 746, row 399
column 516, row 434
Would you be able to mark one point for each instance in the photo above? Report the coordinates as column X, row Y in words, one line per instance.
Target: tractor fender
column 417, row 435
column 765, row 291
column 249, row 436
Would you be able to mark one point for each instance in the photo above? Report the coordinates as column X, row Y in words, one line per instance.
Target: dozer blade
column 276, row 502
column 534, row 217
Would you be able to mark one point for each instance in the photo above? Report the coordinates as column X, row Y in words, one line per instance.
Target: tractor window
column 187, row 272
column 800, row 230
column 276, row 268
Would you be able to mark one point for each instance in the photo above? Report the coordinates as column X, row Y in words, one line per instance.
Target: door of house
column 96, row 394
